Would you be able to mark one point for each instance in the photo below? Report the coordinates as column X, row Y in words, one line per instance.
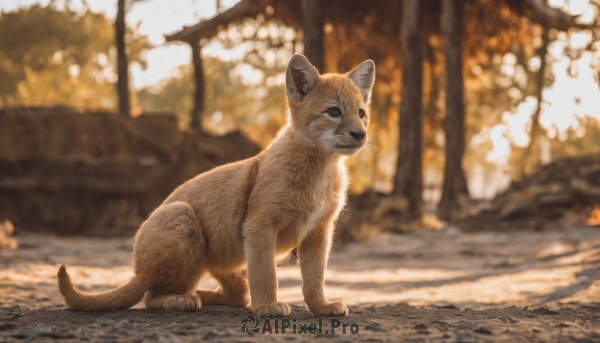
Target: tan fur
column 235, row 221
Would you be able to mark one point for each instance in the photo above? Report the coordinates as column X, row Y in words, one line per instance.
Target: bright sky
column 157, row 17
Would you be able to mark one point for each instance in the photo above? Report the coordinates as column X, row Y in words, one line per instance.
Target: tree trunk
column 408, row 181
column 455, row 185
column 199, row 95
column 122, row 66
column 313, row 22
column 535, row 125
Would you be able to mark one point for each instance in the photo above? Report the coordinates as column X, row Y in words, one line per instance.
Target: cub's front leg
column 313, row 253
column 259, row 246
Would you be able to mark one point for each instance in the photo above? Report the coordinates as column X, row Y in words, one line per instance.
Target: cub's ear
column 300, row 78
column 364, row 77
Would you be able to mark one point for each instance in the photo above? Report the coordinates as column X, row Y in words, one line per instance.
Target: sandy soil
column 427, row 287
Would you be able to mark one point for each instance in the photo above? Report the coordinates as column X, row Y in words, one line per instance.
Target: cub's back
column 219, row 197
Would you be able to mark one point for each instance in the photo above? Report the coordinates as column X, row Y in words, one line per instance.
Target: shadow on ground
column 449, row 286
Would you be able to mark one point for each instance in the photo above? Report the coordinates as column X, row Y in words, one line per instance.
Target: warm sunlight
column 300, row 170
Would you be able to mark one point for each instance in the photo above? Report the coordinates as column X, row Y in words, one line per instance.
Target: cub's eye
column 334, row 112
column 361, row 114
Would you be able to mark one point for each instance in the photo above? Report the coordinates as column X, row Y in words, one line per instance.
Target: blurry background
column 74, row 73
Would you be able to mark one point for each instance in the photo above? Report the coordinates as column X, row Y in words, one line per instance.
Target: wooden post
column 313, row 22
column 455, row 184
column 199, row 95
column 408, row 181
column 122, row 66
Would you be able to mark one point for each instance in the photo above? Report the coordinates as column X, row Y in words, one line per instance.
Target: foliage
column 50, row 56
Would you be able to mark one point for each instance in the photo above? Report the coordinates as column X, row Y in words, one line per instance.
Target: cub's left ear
column 364, row 77
column 300, row 78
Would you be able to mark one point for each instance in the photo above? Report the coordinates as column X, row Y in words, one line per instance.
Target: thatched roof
column 387, row 13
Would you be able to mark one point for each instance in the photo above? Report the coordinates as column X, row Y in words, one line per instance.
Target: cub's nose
column 359, row 135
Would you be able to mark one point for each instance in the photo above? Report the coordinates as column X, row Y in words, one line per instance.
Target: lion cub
column 236, row 221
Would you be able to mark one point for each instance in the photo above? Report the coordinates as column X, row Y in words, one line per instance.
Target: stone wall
column 95, row 173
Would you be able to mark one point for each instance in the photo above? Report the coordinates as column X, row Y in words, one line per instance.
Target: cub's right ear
column 363, row 76
column 300, row 78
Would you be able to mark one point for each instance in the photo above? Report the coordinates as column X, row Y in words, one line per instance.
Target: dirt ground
column 426, row 287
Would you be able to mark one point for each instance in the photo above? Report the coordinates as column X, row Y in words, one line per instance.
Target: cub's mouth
column 348, row 148
column 353, row 146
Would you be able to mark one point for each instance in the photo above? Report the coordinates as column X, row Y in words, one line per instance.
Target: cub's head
column 330, row 111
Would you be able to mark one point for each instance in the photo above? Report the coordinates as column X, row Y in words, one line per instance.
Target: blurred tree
column 527, row 166
column 409, row 172
column 198, row 110
column 313, row 22
column 455, row 185
column 51, row 56
column 122, row 65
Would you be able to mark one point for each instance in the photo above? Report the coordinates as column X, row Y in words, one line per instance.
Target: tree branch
column 550, row 17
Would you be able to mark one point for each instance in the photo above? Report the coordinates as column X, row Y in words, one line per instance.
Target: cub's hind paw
column 274, row 310
column 181, row 303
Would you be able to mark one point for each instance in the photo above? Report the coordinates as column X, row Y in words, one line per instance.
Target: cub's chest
column 325, row 198
column 317, row 187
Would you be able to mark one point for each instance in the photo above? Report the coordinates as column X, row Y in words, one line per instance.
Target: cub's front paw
column 274, row 310
column 336, row 308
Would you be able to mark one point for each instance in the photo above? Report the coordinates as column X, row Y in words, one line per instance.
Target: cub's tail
column 117, row 299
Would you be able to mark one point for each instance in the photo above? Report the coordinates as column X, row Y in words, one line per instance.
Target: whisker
column 371, row 145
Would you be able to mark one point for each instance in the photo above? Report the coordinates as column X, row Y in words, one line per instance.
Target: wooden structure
column 361, row 29
column 309, row 17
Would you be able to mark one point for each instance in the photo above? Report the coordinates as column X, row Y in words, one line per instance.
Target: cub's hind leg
column 169, row 251
column 233, row 290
